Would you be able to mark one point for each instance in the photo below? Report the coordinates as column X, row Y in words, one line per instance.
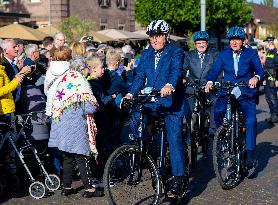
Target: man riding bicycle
column 197, row 63
column 240, row 64
column 161, row 68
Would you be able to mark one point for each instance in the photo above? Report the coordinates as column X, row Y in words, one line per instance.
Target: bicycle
column 132, row 175
column 229, row 145
column 200, row 121
column 21, row 145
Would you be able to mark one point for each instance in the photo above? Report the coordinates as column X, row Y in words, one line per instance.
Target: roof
column 265, row 14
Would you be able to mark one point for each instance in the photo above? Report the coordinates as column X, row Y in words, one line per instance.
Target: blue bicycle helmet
column 236, row 32
column 158, row 27
column 200, row 35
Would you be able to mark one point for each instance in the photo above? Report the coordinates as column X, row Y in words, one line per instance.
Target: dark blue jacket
column 97, row 89
column 113, row 83
column 168, row 70
column 249, row 65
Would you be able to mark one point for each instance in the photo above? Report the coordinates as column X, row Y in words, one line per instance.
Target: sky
column 259, row 1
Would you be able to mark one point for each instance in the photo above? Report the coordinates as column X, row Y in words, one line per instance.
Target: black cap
column 270, row 38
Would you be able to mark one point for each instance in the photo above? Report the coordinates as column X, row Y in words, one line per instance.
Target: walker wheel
column 54, row 184
column 37, row 190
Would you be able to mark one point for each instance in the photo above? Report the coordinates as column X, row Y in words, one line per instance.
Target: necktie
column 202, row 56
column 14, row 68
column 236, row 91
column 157, row 58
column 236, row 59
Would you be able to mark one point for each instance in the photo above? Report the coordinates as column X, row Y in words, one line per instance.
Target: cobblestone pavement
column 203, row 187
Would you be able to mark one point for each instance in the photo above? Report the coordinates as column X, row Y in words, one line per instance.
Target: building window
column 121, row 27
column 104, row 3
column 4, row 1
column 103, row 26
column 122, row 4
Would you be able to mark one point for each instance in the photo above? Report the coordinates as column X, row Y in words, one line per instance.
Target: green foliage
column 268, row 2
column 185, row 15
column 189, row 41
column 74, row 28
column 227, row 13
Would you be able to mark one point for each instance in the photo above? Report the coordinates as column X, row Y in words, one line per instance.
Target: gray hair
column 5, row 43
column 30, row 48
column 78, row 63
column 57, row 35
column 112, row 57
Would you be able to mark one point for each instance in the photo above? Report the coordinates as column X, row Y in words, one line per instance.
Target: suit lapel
column 8, row 68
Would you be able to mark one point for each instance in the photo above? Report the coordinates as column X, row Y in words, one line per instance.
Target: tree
column 185, row 15
column 74, row 28
column 268, row 3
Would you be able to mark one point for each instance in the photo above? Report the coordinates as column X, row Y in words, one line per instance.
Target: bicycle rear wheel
column 131, row 177
column 194, row 136
column 225, row 160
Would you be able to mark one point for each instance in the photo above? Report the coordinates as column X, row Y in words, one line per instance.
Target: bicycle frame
column 142, row 147
column 232, row 122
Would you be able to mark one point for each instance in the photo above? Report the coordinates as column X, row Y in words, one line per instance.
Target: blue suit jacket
column 168, row 70
column 249, row 65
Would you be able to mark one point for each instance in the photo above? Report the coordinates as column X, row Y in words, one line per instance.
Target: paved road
column 203, row 188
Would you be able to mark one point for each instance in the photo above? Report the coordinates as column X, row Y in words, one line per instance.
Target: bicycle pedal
column 171, row 195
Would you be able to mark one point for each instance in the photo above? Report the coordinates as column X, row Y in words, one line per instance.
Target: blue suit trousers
column 173, row 126
column 248, row 108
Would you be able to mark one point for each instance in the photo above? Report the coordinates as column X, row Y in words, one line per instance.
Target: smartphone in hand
column 125, row 61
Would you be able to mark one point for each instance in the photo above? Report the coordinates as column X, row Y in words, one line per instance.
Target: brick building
column 265, row 22
column 118, row 14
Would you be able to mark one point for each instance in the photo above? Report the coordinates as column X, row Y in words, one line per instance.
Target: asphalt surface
column 203, row 187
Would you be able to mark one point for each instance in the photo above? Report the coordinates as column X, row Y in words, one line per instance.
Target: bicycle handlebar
column 30, row 114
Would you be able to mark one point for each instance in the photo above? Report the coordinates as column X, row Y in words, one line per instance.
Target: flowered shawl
column 72, row 91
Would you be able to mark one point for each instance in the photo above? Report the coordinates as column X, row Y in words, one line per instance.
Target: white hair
column 57, row 35
column 5, row 43
column 127, row 49
column 30, row 48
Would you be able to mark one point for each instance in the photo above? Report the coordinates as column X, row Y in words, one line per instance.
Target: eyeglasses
column 235, row 40
column 155, row 37
column 201, row 43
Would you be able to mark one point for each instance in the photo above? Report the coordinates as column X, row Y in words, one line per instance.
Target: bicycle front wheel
column 225, row 159
column 194, row 136
column 131, row 177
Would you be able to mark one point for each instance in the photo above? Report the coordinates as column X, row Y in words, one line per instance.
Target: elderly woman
column 71, row 101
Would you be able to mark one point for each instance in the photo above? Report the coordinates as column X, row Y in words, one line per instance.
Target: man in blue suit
column 161, row 68
column 239, row 64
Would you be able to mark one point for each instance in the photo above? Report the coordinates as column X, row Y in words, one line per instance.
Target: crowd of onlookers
column 80, row 87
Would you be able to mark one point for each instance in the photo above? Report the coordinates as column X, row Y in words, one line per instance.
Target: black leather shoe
column 250, row 163
column 176, row 185
column 250, row 159
column 67, row 192
column 89, row 194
